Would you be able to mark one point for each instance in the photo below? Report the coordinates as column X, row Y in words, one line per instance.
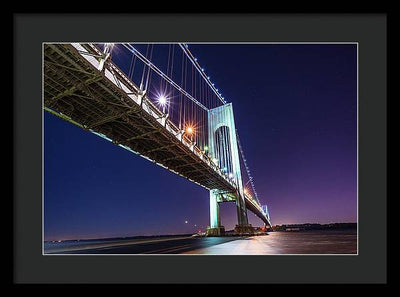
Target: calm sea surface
column 288, row 242
column 314, row 242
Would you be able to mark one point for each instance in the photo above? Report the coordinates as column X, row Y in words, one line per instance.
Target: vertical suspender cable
column 144, row 69
column 148, row 72
column 172, row 73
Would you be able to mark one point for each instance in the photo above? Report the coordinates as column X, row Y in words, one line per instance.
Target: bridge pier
column 243, row 227
column 244, row 230
column 222, row 138
column 241, row 209
column 215, row 228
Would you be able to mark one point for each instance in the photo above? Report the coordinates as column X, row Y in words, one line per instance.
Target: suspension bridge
column 156, row 101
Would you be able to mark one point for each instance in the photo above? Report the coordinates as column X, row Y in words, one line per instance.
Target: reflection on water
column 279, row 242
column 288, row 243
column 315, row 242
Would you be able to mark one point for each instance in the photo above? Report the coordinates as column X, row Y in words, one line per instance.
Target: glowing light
column 189, row 130
column 162, row 100
column 230, row 175
column 206, row 148
column 186, row 222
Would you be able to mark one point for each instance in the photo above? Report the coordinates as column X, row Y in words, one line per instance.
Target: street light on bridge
column 189, row 130
column 162, row 100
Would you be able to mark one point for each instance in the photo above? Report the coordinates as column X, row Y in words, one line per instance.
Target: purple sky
column 296, row 113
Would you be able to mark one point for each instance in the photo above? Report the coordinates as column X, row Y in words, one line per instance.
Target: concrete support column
column 215, row 228
column 222, row 117
column 243, row 227
column 215, row 218
column 241, row 211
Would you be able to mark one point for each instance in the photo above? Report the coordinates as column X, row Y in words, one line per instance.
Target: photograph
column 200, row 148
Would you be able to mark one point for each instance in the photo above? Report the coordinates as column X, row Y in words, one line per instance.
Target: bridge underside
column 78, row 92
column 74, row 88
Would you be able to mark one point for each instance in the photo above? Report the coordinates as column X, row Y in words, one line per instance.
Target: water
column 71, row 245
column 293, row 242
column 314, row 242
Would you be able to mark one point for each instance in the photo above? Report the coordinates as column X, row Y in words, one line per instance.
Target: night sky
column 296, row 113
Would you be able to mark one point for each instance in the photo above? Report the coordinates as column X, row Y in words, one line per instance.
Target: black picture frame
column 31, row 30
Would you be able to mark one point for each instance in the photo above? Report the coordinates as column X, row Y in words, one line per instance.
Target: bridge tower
column 223, row 149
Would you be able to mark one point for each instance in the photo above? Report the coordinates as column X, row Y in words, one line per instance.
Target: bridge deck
column 77, row 90
column 109, row 104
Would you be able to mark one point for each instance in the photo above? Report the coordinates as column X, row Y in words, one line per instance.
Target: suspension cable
column 200, row 70
column 160, row 73
column 182, row 90
column 247, row 168
column 132, row 69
